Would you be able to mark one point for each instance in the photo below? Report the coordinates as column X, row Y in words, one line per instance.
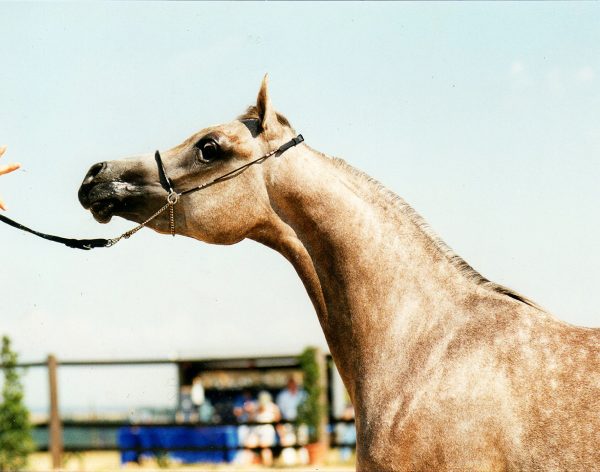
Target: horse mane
column 389, row 198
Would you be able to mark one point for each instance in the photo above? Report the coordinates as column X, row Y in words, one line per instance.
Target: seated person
column 263, row 435
column 244, row 407
column 345, row 433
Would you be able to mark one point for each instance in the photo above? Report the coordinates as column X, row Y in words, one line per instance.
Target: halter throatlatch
column 172, row 199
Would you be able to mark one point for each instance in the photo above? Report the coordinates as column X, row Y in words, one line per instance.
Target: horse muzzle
column 101, row 194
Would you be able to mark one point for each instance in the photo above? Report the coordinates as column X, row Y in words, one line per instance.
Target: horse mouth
column 103, row 210
column 103, row 200
column 108, row 199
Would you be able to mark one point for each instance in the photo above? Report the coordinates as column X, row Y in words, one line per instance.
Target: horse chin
column 132, row 209
column 128, row 208
column 103, row 210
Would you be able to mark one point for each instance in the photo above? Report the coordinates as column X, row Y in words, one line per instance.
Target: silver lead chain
column 172, row 199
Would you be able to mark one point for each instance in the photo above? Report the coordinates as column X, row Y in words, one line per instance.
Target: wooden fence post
column 323, row 381
column 55, row 428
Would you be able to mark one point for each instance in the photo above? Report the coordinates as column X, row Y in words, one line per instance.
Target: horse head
column 225, row 213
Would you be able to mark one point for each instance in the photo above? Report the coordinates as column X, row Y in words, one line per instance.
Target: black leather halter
column 172, row 199
column 168, row 185
column 173, row 195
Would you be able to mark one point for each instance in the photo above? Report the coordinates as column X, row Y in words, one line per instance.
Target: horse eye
column 208, row 151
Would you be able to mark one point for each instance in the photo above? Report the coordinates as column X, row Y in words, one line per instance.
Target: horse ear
column 266, row 112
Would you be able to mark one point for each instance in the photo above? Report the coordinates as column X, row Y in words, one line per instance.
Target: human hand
column 5, row 170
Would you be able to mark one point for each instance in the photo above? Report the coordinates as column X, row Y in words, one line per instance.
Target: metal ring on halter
column 173, row 197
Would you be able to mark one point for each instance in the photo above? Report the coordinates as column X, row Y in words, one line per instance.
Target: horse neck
column 373, row 273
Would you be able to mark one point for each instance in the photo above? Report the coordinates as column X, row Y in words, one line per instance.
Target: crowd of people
column 264, row 422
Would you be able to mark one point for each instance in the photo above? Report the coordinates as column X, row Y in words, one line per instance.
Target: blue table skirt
column 173, row 437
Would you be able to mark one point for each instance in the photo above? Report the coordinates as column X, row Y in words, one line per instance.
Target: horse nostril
column 87, row 183
column 94, row 171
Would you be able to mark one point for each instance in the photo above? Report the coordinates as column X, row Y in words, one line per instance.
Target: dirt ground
column 110, row 461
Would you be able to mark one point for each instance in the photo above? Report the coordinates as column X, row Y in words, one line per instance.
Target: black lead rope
column 84, row 244
column 172, row 198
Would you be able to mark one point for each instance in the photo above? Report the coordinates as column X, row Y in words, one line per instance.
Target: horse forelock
column 252, row 114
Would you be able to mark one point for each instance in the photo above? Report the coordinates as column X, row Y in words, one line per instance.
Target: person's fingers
column 9, row 168
column 5, row 170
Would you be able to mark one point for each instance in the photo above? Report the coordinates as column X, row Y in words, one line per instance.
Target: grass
column 110, row 461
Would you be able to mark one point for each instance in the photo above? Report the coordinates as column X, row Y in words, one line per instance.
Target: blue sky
column 484, row 116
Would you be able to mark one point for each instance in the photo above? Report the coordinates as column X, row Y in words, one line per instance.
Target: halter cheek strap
column 164, row 179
